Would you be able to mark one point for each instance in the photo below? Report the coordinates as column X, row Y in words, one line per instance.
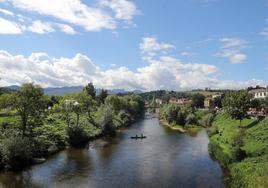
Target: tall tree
column 237, row 104
column 198, row 100
column 102, row 96
column 90, row 89
column 30, row 103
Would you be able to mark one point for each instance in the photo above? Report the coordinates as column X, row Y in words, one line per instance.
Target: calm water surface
column 164, row 159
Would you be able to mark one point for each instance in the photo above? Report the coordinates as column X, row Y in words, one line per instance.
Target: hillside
column 243, row 150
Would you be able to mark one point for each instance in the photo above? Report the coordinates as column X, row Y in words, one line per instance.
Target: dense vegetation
column 239, row 142
column 34, row 126
column 185, row 116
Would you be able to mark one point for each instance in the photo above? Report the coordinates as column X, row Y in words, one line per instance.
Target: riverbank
column 241, row 149
column 191, row 129
column 173, row 127
column 165, row 159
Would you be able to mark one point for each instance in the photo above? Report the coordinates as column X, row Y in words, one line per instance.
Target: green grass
column 252, row 169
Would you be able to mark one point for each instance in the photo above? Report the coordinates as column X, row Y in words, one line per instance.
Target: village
column 213, row 101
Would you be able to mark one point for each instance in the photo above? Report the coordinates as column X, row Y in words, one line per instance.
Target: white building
column 259, row 93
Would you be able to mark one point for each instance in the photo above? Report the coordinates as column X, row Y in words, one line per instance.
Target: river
column 165, row 158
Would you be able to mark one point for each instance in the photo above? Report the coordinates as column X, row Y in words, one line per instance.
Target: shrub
column 207, row 120
column 191, row 119
column 17, row 152
column 77, row 136
column 105, row 121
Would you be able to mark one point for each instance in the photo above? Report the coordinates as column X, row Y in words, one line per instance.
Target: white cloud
column 164, row 73
column 265, row 33
column 66, row 29
column 233, row 43
column 150, row 44
column 123, row 9
column 91, row 18
column 6, row 12
column 187, row 53
column 9, row 28
column 41, row 27
column 232, row 50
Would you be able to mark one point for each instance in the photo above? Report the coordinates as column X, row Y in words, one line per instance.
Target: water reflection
column 165, row 158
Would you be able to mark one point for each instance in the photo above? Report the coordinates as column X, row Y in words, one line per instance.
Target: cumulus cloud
column 165, row 72
column 232, row 49
column 9, row 27
column 150, row 47
column 123, row 9
column 41, row 27
column 104, row 15
column 150, row 44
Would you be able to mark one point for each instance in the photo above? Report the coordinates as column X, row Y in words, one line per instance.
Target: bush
column 17, row 152
column 105, row 121
column 191, row 119
column 77, row 136
column 207, row 120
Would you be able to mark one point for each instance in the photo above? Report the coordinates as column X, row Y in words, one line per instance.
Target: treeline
column 185, row 115
column 165, row 96
column 33, row 125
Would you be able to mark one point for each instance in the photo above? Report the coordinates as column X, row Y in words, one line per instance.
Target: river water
column 165, row 158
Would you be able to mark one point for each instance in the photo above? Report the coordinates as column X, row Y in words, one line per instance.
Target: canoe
column 138, row 137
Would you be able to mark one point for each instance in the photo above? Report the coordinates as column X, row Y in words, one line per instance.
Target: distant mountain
column 74, row 89
column 62, row 90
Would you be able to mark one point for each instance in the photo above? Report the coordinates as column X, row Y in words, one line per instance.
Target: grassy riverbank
column 241, row 149
column 173, row 126
column 34, row 126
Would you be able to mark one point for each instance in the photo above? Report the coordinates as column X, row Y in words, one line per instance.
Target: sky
column 134, row 44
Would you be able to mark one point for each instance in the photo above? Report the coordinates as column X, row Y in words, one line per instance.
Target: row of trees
column 185, row 115
column 34, row 125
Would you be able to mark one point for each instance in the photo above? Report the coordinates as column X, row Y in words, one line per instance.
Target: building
column 180, row 101
column 159, row 101
column 208, row 102
column 259, row 93
column 217, row 95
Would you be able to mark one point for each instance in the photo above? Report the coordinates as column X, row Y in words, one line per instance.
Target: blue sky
column 175, row 44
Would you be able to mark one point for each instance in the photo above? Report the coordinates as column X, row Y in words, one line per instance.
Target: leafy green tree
column 114, row 101
column 90, row 89
column 17, row 152
column 6, row 100
column 191, row 119
column 105, row 120
column 87, row 105
column 30, row 103
column 102, row 96
column 255, row 103
column 217, row 102
column 236, row 104
column 198, row 100
column 172, row 113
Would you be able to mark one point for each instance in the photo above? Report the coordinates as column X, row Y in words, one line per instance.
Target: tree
column 198, row 100
column 87, row 105
column 90, row 89
column 236, row 104
column 30, row 103
column 115, row 102
column 102, row 96
column 217, row 102
column 191, row 119
column 105, row 120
